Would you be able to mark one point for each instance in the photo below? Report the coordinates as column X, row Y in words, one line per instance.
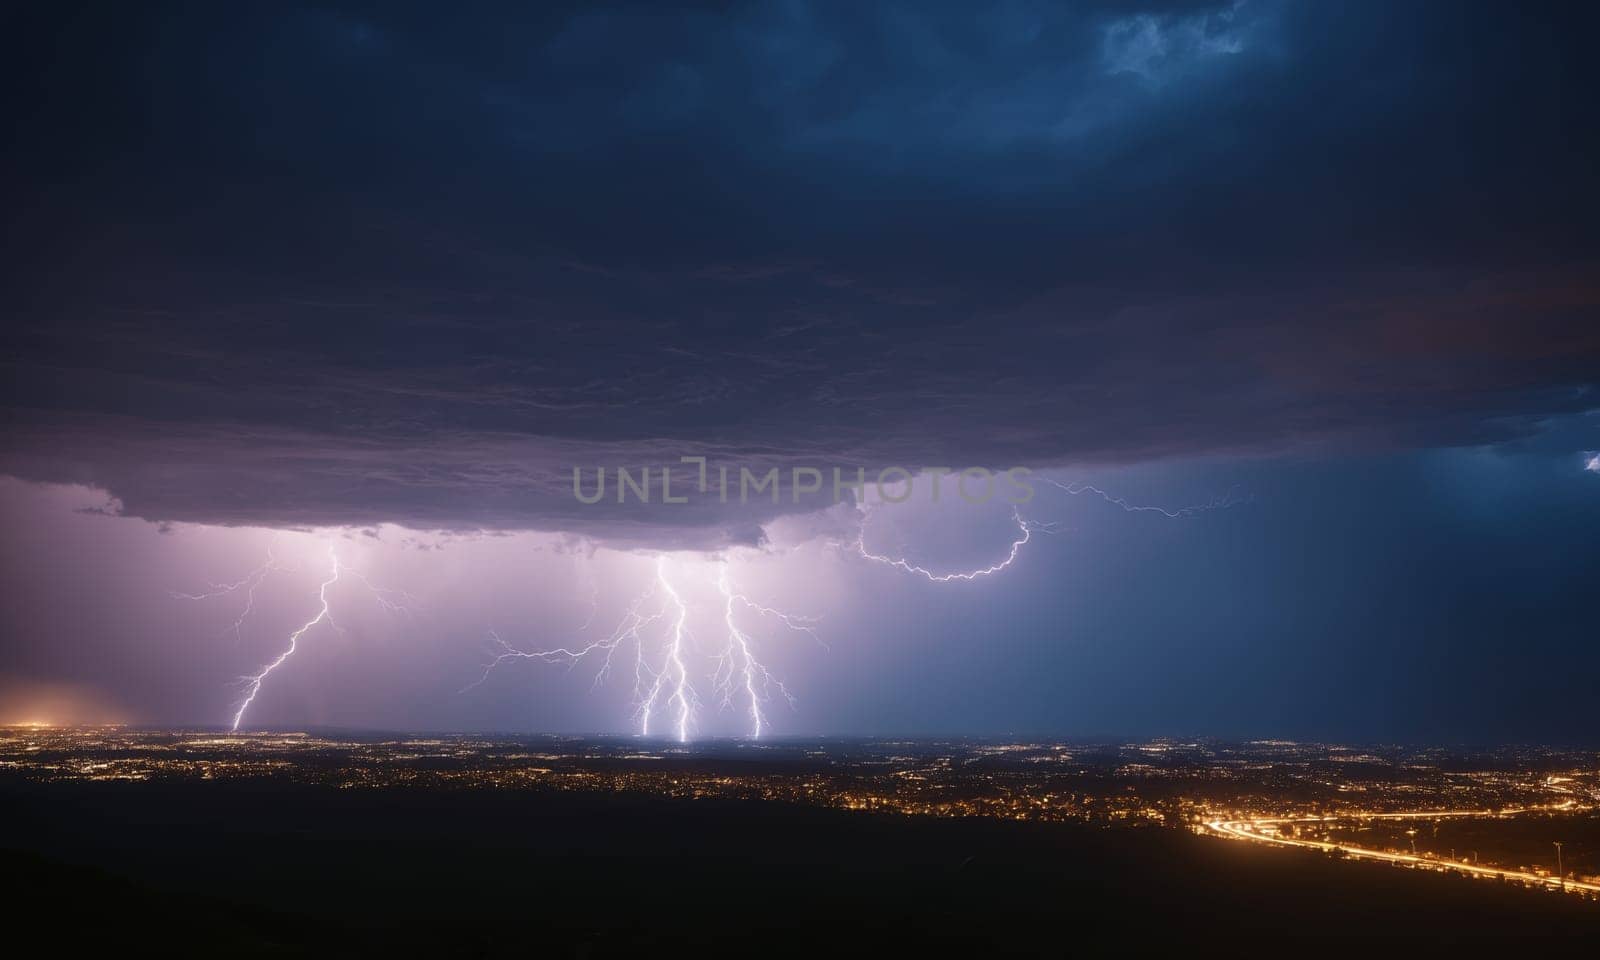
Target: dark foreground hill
column 262, row 868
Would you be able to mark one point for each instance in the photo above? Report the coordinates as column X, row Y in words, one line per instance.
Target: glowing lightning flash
column 249, row 584
column 662, row 683
column 650, row 682
column 253, row 683
column 661, row 673
column 391, row 601
column 1217, row 503
column 1027, row 527
column 758, row 681
column 1024, row 527
column 662, row 680
column 672, row 671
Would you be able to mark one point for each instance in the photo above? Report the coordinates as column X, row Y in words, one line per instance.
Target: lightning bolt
column 1216, row 503
column 672, row 671
column 253, row 683
column 628, row 632
column 662, row 684
column 1024, row 527
column 391, row 601
column 651, row 682
column 248, row 584
column 662, row 679
column 738, row 657
column 397, row 602
column 592, row 586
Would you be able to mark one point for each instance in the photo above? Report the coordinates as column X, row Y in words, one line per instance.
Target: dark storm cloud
column 356, row 263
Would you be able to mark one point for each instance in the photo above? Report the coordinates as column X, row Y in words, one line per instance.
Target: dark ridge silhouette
column 250, row 869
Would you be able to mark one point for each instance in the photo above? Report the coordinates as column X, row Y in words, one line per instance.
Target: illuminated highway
column 1266, row 830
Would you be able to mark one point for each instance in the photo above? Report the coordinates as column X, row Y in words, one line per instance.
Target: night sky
column 378, row 277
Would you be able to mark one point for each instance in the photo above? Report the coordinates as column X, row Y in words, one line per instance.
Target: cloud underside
column 277, row 438
column 416, row 274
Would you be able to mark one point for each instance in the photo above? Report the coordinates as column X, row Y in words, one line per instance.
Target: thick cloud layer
column 363, row 263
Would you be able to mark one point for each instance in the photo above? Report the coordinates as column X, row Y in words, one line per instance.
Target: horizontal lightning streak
column 627, row 630
column 1023, row 526
column 249, row 583
column 1217, row 503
